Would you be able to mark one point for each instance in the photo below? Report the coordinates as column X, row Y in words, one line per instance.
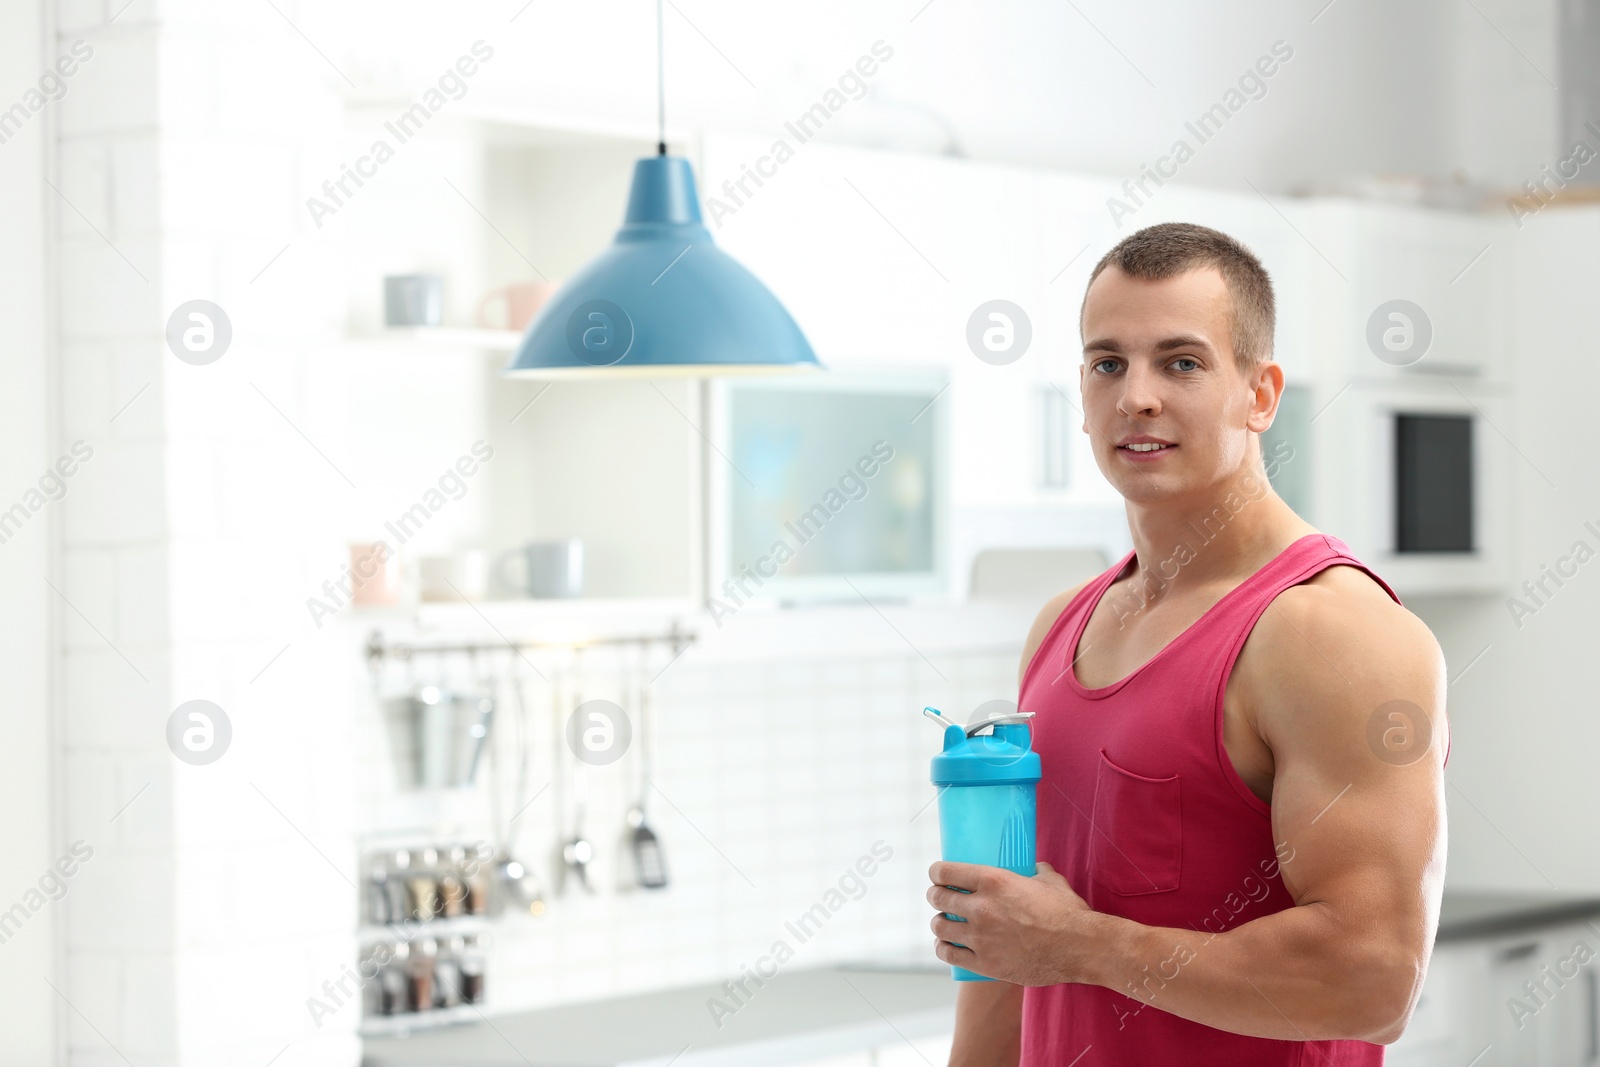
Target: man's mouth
column 1146, row 451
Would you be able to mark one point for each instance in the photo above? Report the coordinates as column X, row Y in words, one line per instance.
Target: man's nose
column 1140, row 393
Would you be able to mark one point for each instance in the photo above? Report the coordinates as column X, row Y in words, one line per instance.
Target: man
column 1241, row 819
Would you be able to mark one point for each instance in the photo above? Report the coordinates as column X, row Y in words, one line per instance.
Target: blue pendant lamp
column 663, row 300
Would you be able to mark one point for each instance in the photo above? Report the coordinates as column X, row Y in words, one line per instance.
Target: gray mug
column 413, row 300
column 547, row 569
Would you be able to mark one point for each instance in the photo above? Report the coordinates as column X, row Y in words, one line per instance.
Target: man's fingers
column 968, row 876
column 952, row 900
column 950, row 930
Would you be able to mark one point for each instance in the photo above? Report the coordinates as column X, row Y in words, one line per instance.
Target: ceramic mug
column 522, row 302
column 541, row 569
column 413, row 300
column 374, row 575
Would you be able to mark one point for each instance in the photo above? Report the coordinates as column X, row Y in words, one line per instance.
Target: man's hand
column 1027, row 931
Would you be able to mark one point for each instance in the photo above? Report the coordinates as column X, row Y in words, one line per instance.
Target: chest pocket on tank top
column 1136, row 842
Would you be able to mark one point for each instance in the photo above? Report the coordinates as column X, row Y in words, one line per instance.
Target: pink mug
column 374, row 574
column 522, row 301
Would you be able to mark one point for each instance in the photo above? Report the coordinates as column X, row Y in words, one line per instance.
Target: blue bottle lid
column 1002, row 757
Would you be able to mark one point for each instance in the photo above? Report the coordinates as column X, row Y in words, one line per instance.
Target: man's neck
column 1220, row 536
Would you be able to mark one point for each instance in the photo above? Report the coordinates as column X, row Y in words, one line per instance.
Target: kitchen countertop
column 800, row 1014
column 1467, row 915
column 810, row 1013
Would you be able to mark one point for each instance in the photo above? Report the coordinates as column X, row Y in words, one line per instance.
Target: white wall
column 1526, row 716
column 28, row 782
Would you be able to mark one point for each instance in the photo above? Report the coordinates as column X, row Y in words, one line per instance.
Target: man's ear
column 1266, row 389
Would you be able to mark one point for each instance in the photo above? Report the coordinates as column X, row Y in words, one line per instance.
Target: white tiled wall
column 772, row 778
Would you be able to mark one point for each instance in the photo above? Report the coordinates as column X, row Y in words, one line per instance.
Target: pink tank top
column 1181, row 840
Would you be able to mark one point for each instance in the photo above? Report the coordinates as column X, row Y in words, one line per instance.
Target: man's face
column 1158, row 369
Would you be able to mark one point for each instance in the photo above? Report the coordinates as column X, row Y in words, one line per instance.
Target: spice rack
column 424, row 934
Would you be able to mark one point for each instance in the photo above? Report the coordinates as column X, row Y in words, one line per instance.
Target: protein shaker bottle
column 987, row 777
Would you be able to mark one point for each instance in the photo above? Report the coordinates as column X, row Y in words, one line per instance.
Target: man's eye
column 1101, row 363
column 1185, row 359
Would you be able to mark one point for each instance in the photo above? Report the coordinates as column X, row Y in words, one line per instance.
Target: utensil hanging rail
column 676, row 638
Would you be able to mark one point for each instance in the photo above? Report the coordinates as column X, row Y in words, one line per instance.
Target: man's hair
column 1170, row 248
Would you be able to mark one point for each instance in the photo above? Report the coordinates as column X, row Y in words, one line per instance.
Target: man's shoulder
column 1338, row 628
column 1344, row 599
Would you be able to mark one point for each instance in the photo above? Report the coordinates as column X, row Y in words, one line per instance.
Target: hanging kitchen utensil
column 431, row 707
column 648, row 863
column 480, row 722
column 577, row 851
column 515, row 882
column 449, row 726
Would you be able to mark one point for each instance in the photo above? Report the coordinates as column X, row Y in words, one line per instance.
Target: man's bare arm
column 1338, row 676
column 988, row 1025
column 989, row 1014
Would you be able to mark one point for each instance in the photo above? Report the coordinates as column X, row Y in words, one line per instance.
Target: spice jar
column 397, row 887
column 452, row 891
column 394, row 997
column 420, row 976
column 470, row 962
column 447, row 974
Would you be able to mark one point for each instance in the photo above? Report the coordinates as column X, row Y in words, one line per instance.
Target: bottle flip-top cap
column 1002, row 757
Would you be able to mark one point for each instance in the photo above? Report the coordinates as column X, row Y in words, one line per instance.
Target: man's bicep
column 1354, row 722
column 1365, row 840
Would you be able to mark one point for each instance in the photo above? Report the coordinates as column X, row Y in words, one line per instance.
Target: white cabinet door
column 1568, row 984
column 1520, row 1033
column 880, row 256
column 1456, row 268
column 1540, row 1000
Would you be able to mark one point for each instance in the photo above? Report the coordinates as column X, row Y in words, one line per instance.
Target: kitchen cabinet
column 1456, row 267
column 1490, row 948
column 883, row 258
column 1541, row 999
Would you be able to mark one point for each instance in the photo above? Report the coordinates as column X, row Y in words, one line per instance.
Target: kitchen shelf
column 444, row 337
column 417, row 1021
column 435, row 929
column 600, row 615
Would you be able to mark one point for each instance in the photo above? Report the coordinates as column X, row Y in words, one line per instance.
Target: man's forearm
column 988, row 1025
column 1293, row 975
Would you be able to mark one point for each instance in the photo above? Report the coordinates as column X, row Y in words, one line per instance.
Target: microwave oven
column 1415, row 476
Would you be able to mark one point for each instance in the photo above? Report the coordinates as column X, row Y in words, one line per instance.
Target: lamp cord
column 661, row 83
